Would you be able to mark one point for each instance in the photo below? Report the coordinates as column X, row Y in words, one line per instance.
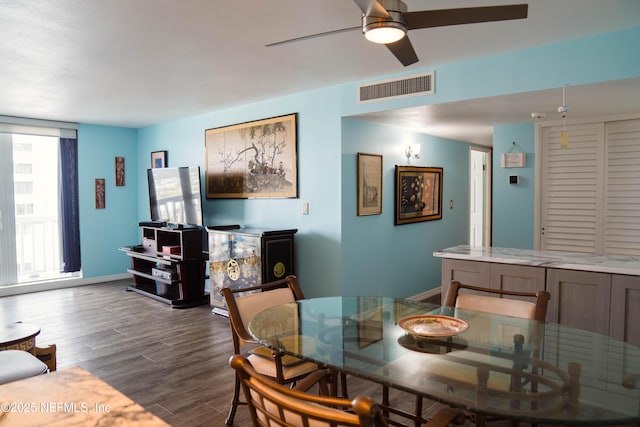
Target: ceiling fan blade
column 467, row 15
column 403, row 50
column 372, row 8
column 313, row 36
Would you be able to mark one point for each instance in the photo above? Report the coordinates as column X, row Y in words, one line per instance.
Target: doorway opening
column 480, row 197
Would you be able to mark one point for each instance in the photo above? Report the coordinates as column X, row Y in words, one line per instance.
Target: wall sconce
column 412, row 150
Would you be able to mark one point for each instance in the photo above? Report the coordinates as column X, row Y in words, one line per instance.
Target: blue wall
column 396, row 260
column 338, row 252
column 318, row 251
column 102, row 231
column 513, row 208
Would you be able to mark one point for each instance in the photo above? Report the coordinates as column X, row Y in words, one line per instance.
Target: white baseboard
column 425, row 295
column 73, row 282
column 58, row 284
column 220, row 311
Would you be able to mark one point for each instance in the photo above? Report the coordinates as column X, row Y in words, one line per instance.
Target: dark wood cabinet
column 244, row 257
column 169, row 266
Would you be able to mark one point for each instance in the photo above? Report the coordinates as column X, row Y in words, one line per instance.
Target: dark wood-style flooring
column 173, row 362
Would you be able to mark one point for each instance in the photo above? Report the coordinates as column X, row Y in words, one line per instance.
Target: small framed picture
column 418, row 194
column 159, row 159
column 369, row 184
column 100, row 193
column 119, row 171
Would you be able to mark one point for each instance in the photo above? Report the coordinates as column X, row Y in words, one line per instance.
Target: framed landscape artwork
column 253, row 160
column 369, row 184
column 418, row 194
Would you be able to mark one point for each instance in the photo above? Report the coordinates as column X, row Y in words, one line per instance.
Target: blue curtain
column 70, row 221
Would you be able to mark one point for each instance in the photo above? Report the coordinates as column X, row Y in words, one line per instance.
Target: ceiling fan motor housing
column 394, row 18
column 393, row 5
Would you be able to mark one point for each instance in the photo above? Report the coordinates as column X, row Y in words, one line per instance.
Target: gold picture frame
column 418, row 194
column 256, row 159
column 369, row 192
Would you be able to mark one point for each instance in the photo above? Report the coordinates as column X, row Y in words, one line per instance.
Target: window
column 23, row 187
column 24, row 209
column 32, row 232
column 22, row 168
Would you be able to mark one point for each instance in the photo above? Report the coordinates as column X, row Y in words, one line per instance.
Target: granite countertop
column 70, row 397
column 548, row 259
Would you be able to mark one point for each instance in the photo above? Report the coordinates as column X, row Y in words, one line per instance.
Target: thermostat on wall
column 514, row 179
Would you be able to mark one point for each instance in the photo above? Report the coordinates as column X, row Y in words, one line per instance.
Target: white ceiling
column 134, row 63
column 472, row 121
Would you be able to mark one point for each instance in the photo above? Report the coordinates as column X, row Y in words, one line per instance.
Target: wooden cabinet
column 244, row 257
column 470, row 272
column 580, row 299
column 517, row 277
column 602, row 302
column 599, row 302
column 492, row 275
column 169, row 266
column 625, row 306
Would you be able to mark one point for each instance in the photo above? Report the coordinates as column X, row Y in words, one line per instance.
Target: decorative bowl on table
column 432, row 325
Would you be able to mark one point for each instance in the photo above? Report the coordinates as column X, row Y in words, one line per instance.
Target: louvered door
column 571, row 188
column 622, row 200
column 590, row 191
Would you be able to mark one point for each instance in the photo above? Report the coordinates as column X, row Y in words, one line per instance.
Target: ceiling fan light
column 384, row 34
column 384, row 30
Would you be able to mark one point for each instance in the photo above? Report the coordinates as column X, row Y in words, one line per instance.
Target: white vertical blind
column 8, row 258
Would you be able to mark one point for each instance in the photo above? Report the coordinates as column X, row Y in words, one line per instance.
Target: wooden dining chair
column 461, row 366
column 272, row 405
column 517, row 304
column 242, row 305
column 525, row 305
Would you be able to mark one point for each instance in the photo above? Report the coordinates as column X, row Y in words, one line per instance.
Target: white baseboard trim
column 70, row 283
column 58, row 284
column 425, row 295
column 220, row 311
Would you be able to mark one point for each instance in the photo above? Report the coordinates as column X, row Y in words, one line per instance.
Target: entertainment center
column 169, row 266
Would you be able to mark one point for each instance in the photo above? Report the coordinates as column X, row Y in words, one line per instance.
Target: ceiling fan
column 387, row 22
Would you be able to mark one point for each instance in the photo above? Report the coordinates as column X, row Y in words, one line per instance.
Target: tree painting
column 256, row 159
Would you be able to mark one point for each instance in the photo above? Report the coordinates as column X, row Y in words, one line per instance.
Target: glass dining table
column 488, row 364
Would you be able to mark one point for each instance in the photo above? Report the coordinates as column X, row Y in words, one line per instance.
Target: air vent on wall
column 422, row 84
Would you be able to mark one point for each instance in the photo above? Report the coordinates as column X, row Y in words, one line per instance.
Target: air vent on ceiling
column 422, row 84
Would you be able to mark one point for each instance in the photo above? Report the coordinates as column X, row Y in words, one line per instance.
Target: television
column 174, row 195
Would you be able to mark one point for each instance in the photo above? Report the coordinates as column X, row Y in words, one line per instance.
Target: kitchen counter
column 549, row 259
column 592, row 292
